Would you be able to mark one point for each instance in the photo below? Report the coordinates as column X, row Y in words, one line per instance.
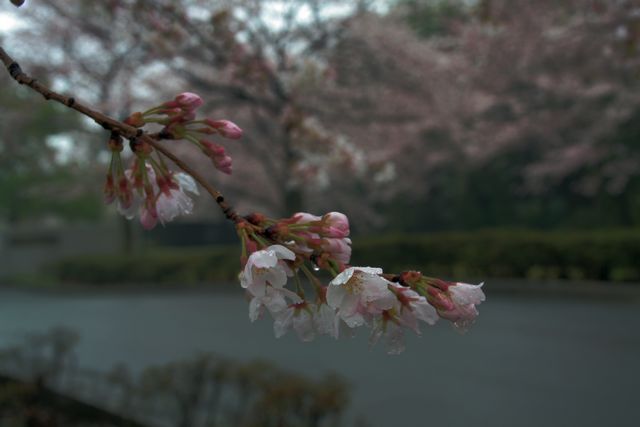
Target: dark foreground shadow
column 42, row 384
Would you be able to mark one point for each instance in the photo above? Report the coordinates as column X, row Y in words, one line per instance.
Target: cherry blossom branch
column 108, row 123
column 272, row 250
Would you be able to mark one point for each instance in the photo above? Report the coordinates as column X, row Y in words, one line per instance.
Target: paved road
column 529, row 361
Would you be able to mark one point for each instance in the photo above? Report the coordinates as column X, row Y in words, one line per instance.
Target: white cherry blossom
column 274, row 299
column 392, row 332
column 298, row 317
column 264, row 277
column 326, row 320
column 414, row 308
column 465, row 294
column 177, row 202
column 461, row 309
column 358, row 293
column 267, row 267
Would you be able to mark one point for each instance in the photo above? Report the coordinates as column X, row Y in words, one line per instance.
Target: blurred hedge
column 168, row 266
column 600, row 255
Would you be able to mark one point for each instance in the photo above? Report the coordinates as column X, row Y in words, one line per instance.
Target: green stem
column 313, row 279
column 299, row 289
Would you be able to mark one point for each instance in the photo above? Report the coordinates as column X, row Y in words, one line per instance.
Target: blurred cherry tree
column 256, row 59
column 517, row 112
column 450, row 114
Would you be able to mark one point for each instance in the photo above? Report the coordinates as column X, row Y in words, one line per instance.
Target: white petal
column 342, row 277
column 244, row 278
column 295, row 298
column 326, row 321
column 186, row 182
column 274, row 301
column 395, row 339
column 257, row 289
column 282, row 322
column 276, row 277
column 347, row 273
column 255, row 309
column 463, row 293
column 263, row 259
column 377, row 293
column 425, row 312
column 353, row 320
column 369, row 270
column 131, row 211
column 350, row 304
column 408, row 319
column 376, row 332
column 303, row 325
column 282, row 252
column 335, row 295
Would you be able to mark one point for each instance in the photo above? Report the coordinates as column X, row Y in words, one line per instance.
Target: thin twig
column 114, row 125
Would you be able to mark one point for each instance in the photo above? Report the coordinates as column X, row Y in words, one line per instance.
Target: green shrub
column 176, row 267
column 599, row 255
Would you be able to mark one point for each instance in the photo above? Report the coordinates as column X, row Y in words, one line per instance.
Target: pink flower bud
column 187, row 116
column 225, row 128
column 339, row 249
column 136, row 120
column 147, row 219
column 186, row 101
column 221, row 160
column 455, row 301
column 336, row 224
column 212, row 149
column 149, row 213
column 223, row 164
column 302, row 217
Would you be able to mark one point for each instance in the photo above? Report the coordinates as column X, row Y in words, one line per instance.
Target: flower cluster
column 149, row 188
column 179, row 120
column 276, row 251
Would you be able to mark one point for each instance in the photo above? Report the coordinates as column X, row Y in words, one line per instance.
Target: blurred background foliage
column 608, row 255
column 470, row 139
column 411, row 116
column 35, row 180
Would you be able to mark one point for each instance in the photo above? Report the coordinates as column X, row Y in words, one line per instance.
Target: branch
column 114, row 125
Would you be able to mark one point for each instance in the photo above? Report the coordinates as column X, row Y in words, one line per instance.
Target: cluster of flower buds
column 178, row 117
column 149, row 188
column 273, row 251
